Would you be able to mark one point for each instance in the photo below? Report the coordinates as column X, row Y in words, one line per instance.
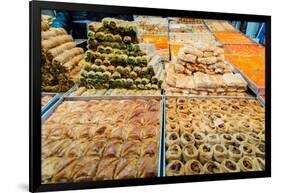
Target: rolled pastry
column 186, row 139
column 173, row 127
column 171, row 118
column 246, row 164
column 189, row 152
column 213, row 138
column 173, row 152
column 175, row 168
column 181, row 100
column 212, row 167
column 240, row 138
column 259, row 163
column 253, row 138
column 227, row 139
column 193, row 167
column 229, row 166
column 205, row 153
column 234, row 153
column 260, row 150
column 247, row 149
column 199, row 137
column 185, row 126
column 220, row 152
column 172, row 138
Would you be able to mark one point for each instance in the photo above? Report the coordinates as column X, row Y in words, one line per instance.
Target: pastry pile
column 60, row 60
column 206, row 136
column 45, row 99
column 101, row 140
column 114, row 58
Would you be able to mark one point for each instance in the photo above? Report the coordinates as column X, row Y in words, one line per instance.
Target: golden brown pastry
column 133, row 133
column 220, row 152
column 186, row 139
column 259, row 163
column 97, row 131
column 55, row 148
column 76, row 148
column 49, row 166
column 77, row 131
column 246, row 164
column 185, row 126
column 240, row 138
column 247, row 149
column 126, row 168
column 64, row 170
column 172, row 138
column 212, row 167
column 199, row 137
column 260, row 150
column 173, row 152
column 193, row 167
column 116, row 132
column 172, row 127
column 95, row 147
column 189, row 152
column 234, row 153
column 227, row 139
column 205, row 153
column 149, row 131
column 147, row 167
column 213, row 138
column 131, row 148
column 106, row 168
column 149, row 147
column 175, row 168
column 112, row 148
column 85, row 169
column 253, row 138
column 229, row 166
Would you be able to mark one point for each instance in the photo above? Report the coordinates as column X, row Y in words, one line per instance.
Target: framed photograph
column 127, row 96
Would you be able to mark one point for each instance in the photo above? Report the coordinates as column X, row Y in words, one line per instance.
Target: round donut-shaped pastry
column 244, row 126
column 199, row 137
column 183, row 117
column 253, row 138
column 186, row 138
column 247, row 149
column 224, row 108
column 182, row 109
column 246, row 164
column 260, row 150
column 243, row 102
column 197, row 126
column 193, row 167
column 171, row 103
column 226, row 139
column 212, row 167
column 205, row 153
column 234, row 153
column 246, row 110
column 172, row 127
column 221, row 128
column 172, row 138
column 173, row 152
column 213, row 138
column 256, row 126
column 240, row 138
column 181, row 100
column 189, row 152
column 231, row 126
column 171, row 118
column 175, row 168
column 185, row 126
column 229, row 166
column 262, row 137
column 259, row 163
column 220, row 152
column 193, row 101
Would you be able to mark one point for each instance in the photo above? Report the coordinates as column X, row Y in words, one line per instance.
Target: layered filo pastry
column 106, row 168
column 193, row 167
column 147, row 166
column 126, row 168
column 113, row 148
column 175, row 168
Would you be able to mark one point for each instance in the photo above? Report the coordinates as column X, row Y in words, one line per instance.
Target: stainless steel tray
column 161, row 98
column 55, row 97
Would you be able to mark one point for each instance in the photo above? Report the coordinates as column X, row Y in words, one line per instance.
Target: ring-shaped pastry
column 175, row 168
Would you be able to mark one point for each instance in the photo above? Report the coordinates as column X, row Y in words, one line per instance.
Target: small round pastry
column 229, row 166
column 189, row 152
column 173, row 127
column 213, row 138
column 175, row 168
column 181, row 100
column 247, row 149
column 172, row 138
column 262, row 137
column 220, row 152
column 234, row 153
column 182, row 109
column 210, row 127
column 199, row 137
column 246, row 164
column 197, row 126
column 205, row 153
column 185, row 126
column 173, row 152
column 193, row 167
column 260, row 150
column 253, row 138
column 186, row 138
column 227, row 139
column 171, row 118
column 212, row 167
column 240, row 138
column 259, row 163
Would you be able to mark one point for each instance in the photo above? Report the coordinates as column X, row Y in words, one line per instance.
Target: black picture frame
column 35, row 8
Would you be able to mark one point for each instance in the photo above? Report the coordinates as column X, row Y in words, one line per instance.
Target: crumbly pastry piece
column 229, row 166
column 49, row 166
column 193, row 167
column 172, row 138
column 126, row 168
column 246, row 164
column 220, row 152
column 186, row 139
column 226, row 139
column 189, row 152
column 259, row 163
column 234, row 153
column 149, row 147
column 106, row 168
column 212, row 167
column 260, row 150
column 147, row 167
column 247, row 149
column 175, row 168
column 205, row 153
column 213, row 138
column 173, row 152
column 96, row 147
column 131, row 148
column 172, row 127
column 240, row 138
column 199, row 137
column 64, row 170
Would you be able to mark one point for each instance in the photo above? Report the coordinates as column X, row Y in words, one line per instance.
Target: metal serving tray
column 65, row 98
column 55, row 97
column 164, row 122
